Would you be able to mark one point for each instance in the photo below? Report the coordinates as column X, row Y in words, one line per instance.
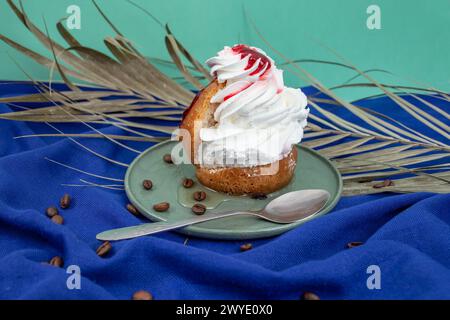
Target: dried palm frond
column 124, row 88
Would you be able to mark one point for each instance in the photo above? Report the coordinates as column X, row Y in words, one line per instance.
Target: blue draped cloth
column 406, row 236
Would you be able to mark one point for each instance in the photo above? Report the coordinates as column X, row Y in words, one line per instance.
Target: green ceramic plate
column 313, row 172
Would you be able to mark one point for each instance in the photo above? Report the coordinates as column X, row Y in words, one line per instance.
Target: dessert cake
column 243, row 126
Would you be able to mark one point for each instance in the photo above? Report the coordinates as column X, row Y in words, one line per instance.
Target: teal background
column 413, row 42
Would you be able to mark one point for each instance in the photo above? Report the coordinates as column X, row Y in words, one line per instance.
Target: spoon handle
column 155, row 227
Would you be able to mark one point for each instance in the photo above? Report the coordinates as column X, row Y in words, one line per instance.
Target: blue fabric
column 407, row 236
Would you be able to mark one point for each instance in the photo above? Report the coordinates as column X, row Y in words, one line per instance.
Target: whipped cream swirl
column 258, row 119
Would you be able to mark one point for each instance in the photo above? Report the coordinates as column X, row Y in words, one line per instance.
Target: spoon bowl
column 293, row 206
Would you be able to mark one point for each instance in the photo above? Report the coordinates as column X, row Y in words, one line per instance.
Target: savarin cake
column 244, row 124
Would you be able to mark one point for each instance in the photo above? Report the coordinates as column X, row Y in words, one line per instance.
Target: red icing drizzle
column 235, row 93
column 245, row 50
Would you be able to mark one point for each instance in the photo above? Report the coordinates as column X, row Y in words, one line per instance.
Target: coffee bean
column 188, row 183
column 167, row 158
column 64, row 203
column 103, row 249
column 51, row 212
column 310, row 296
column 147, row 184
column 58, row 219
column 383, row 184
column 199, row 195
column 246, row 247
column 198, row 209
column 161, row 207
column 354, row 244
column 133, row 210
column 258, row 196
column 142, row 295
column 56, row 262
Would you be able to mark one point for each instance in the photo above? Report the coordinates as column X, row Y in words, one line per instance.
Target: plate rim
column 230, row 234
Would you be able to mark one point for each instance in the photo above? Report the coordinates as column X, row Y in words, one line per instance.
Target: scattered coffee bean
column 383, row 184
column 64, row 203
column 161, row 207
column 58, row 219
column 198, row 209
column 104, row 248
column 147, row 184
column 354, row 244
column 167, row 158
column 142, row 295
column 188, row 183
column 246, row 247
column 56, row 262
column 199, row 195
column 51, row 212
column 310, row 296
column 133, row 210
column 258, row 196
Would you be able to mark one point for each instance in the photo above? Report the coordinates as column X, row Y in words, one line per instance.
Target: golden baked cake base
column 239, row 181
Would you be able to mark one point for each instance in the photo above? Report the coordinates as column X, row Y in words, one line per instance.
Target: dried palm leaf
column 125, row 86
